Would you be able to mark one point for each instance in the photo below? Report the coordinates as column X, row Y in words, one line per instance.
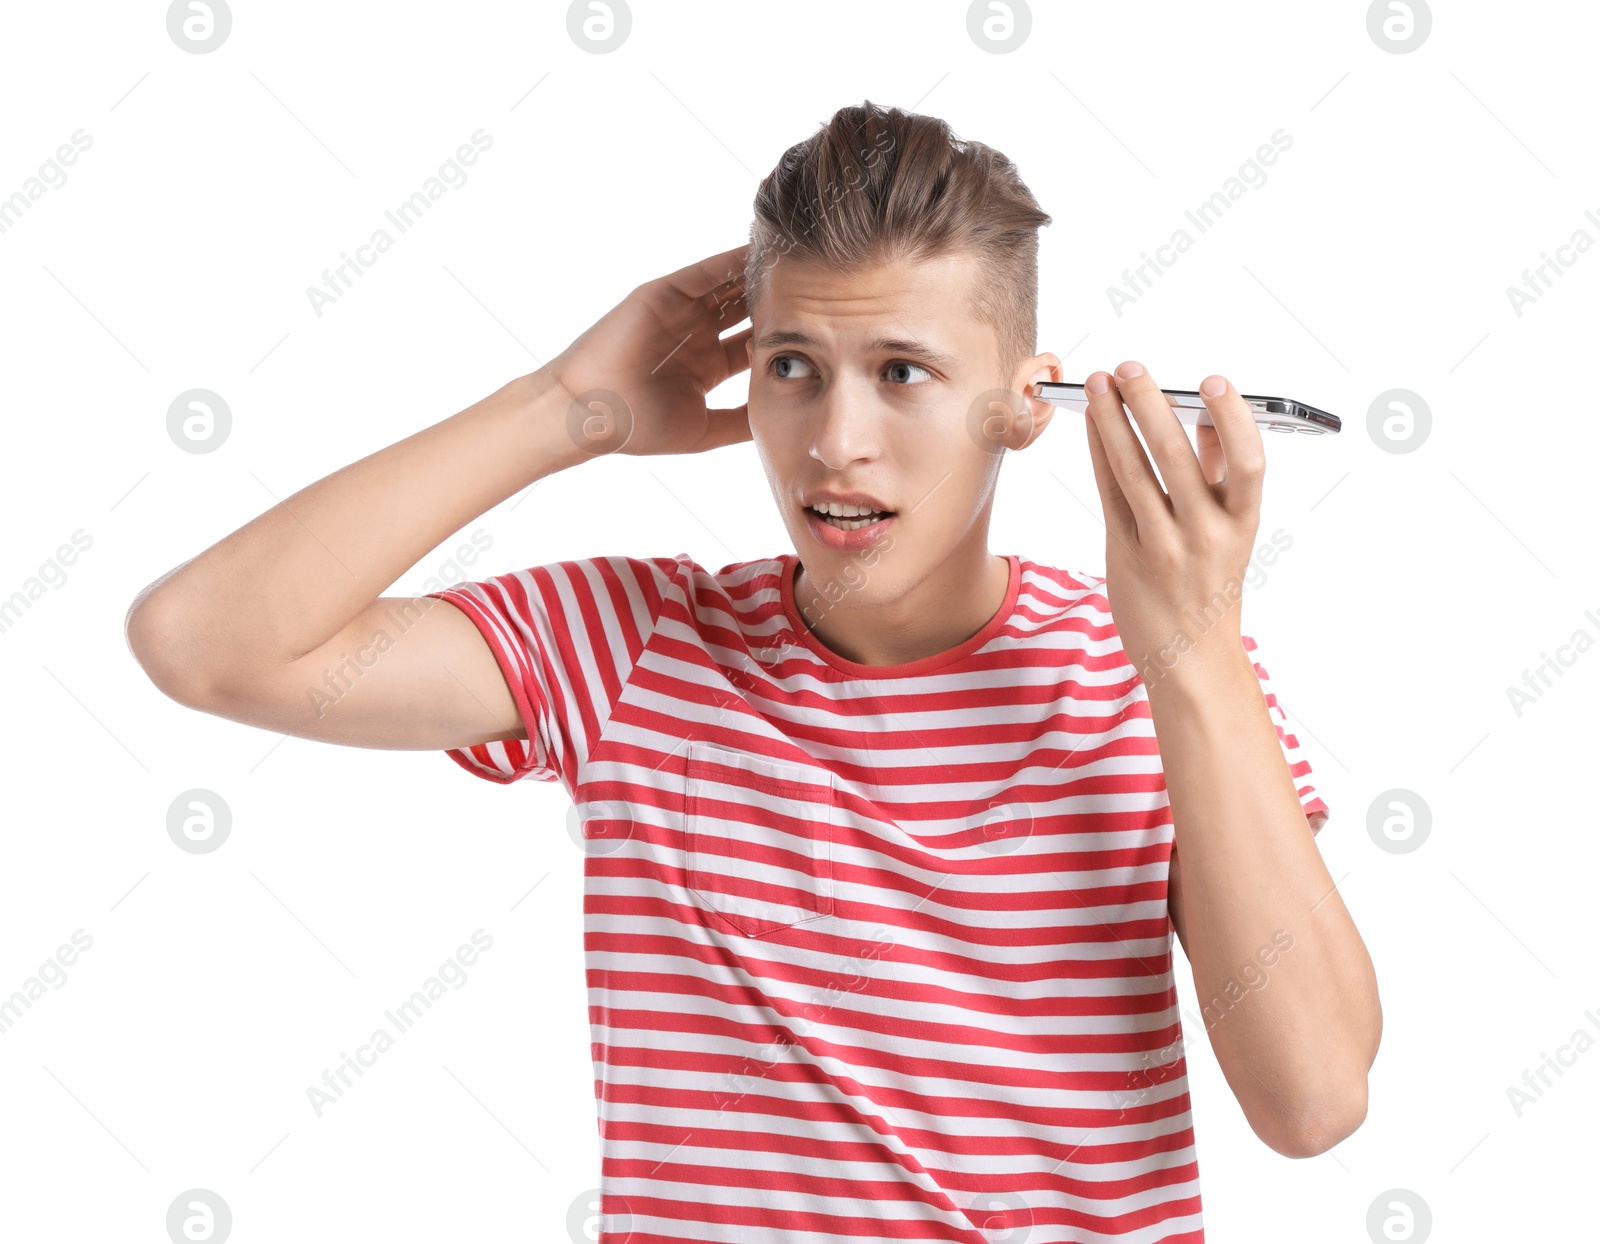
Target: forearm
column 294, row 576
column 1286, row 983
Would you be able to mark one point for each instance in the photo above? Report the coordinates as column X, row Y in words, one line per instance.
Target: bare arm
column 1256, row 894
column 281, row 625
column 258, row 627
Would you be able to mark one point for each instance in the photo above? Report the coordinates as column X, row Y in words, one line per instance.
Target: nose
column 847, row 428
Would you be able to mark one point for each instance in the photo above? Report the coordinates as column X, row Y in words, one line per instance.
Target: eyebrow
column 891, row 345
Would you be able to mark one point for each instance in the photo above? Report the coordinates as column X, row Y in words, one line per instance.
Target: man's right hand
column 658, row 350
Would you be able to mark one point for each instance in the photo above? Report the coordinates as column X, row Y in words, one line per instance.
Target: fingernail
column 1130, row 370
column 1214, row 386
column 1097, row 383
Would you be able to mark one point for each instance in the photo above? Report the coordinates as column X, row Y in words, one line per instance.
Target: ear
column 1038, row 412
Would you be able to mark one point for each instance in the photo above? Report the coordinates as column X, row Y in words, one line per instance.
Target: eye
column 901, row 363
column 792, row 360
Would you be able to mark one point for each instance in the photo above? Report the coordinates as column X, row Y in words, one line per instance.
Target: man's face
column 875, row 396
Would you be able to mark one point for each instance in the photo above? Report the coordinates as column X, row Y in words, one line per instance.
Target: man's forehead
column 915, row 309
column 917, row 347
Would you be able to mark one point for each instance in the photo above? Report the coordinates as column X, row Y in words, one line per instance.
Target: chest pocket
column 758, row 839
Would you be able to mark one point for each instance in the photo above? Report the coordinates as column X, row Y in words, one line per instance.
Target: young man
column 884, row 832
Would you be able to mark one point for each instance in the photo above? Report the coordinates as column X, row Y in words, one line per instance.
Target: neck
column 946, row 608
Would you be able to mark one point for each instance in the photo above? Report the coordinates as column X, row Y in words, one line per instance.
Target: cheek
column 924, row 456
column 770, row 457
column 778, row 449
column 772, row 434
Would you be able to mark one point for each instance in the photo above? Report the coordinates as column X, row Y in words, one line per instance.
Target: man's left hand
column 1175, row 558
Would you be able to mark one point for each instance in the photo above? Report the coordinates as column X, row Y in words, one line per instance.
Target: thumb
column 728, row 426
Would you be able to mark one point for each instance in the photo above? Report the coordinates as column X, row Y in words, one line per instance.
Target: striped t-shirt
column 874, row 953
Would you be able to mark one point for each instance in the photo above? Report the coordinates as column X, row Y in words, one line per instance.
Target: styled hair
column 879, row 185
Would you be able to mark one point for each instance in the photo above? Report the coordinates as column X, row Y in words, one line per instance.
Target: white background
column 177, row 255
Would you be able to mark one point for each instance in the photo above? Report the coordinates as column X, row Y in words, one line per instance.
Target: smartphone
column 1274, row 414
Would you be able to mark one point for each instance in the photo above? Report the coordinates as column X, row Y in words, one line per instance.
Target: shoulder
column 611, row 575
column 581, row 590
column 1051, row 595
column 738, row 586
column 677, row 587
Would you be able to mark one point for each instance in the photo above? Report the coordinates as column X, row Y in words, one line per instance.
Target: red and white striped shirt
column 874, row 953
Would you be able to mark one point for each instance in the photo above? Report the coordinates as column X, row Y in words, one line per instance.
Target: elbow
column 1333, row 1107
column 1329, row 1112
column 1316, row 1126
column 159, row 639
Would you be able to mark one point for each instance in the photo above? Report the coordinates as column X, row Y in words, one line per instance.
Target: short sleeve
column 1316, row 809
column 566, row 636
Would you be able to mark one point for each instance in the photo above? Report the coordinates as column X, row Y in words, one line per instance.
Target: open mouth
column 853, row 521
column 848, row 527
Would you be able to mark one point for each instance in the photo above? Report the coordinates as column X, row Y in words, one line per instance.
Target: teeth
column 843, row 511
column 848, row 517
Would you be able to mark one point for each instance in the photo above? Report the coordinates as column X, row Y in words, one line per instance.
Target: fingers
column 1244, row 456
column 1169, row 443
column 1113, row 504
column 1129, row 469
column 700, row 279
column 1212, row 465
column 729, row 426
column 736, row 357
column 726, row 305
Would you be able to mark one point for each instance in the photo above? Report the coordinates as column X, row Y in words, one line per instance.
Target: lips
column 841, row 539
